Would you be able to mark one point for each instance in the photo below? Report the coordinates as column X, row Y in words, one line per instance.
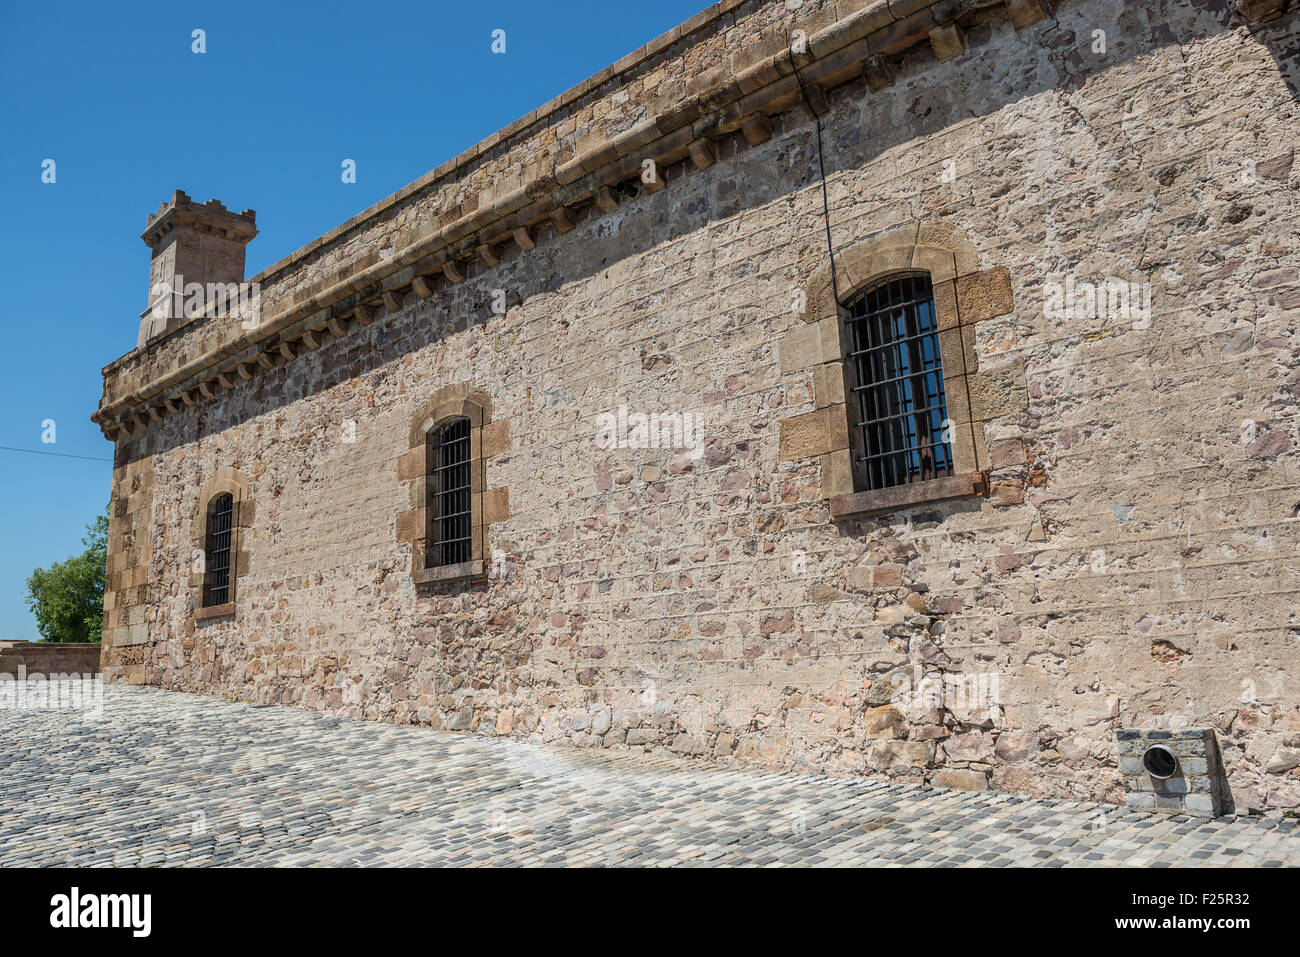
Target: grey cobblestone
column 162, row 778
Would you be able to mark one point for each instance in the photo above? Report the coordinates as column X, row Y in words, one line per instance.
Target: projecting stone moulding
column 739, row 96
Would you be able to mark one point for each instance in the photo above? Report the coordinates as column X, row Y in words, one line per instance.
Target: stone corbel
column 606, row 200
column 878, row 71
column 757, row 128
column 1260, row 9
column 703, row 153
column 818, row 102
column 948, row 41
column 1025, row 13
column 523, row 237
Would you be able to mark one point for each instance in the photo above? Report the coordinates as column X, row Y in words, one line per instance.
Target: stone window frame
column 963, row 296
column 226, row 481
column 488, row 438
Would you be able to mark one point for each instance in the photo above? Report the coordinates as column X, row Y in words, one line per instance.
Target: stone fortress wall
column 1127, row 557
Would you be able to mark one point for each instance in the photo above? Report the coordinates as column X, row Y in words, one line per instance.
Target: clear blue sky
column 285, row 92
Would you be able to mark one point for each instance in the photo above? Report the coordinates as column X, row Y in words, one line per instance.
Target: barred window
column 216, row 579
column 450, row 536
column 898, row 380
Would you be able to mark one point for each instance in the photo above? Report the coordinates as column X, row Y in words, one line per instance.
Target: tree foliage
column 67, row 598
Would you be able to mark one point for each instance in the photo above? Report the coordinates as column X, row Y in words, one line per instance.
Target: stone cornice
column 718, row 103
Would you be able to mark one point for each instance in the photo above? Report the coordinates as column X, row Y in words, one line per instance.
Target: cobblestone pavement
column 169, row 778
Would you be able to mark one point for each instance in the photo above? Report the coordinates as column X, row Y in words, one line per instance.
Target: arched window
column 220, row 522
column 900, row 403
column 452, row 439
column 450, row 503
column 217, row 578
column 902, row 432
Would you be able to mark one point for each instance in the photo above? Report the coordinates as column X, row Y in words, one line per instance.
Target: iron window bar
column 216, row 581
column 898, row 373
column 451, row 538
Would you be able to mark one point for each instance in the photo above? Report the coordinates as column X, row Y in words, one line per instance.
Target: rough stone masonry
column 1102, row 194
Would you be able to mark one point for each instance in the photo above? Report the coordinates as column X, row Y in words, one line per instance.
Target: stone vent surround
column 1199, row 785
column 723, row 102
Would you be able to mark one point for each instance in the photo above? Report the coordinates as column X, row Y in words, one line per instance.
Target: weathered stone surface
column 971, row 746
column 1014, row 747
column 1144, row 462
column 886, row 722
column 803, row 436
column 948, row 40
column 984, row 295
column 349, row 792
column 961, row 780
column 1283, row 759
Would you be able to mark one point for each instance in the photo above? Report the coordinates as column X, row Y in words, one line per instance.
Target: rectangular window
column 216, row 580
column 449, row 492
column 898, row 381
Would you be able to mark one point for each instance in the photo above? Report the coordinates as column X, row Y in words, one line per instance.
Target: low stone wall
column 48, row 658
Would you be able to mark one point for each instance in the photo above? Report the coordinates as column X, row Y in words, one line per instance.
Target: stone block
column 496, row 506
column 884, row 722
column 957, row 351
column 945, row 305
column 879, row 72
column 804, row 436
column 984, row 295
column 997, row 392
column 828, row 384
column 837, row 473
column 1025, row 13
column 1006, row 453
column 948, row 41
column 800, row 348
column 1260, row 9
column 495, row 438
column 961, row 780
column 414, row 464
column 939, row 263
column 757, row 128
column 411, row 525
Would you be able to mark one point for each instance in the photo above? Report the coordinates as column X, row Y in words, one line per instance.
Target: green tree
column 68, row 597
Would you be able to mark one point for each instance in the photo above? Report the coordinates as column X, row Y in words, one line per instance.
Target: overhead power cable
column 62, row 455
